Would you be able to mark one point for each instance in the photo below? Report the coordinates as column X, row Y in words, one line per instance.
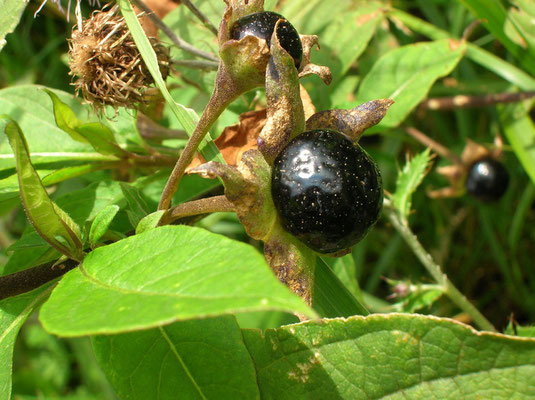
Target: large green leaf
column 199, row 359
column 392, row 356
column 346, row 36
column 13, row 313
column 160, row 276
column 9, row 18
column 406, row 74
column 50, row 221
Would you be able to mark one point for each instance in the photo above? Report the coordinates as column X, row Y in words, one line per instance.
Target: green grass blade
column 187, row 117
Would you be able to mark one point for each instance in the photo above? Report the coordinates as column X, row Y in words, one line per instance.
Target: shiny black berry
column 327, row 190
column 262, row 24
column 487, row 179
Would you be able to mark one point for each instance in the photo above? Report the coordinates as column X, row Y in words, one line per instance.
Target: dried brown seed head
column 107, row 65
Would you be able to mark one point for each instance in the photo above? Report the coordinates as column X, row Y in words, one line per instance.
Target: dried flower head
column 107, row 65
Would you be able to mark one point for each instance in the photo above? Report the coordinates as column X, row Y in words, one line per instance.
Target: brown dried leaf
column 351, row 122
column 473, row 152
column 286, row 117
column 237, row 139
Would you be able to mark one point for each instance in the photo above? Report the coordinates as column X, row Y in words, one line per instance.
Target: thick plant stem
column 434, row 269
column 32, row 278
column 224, row 93
column 198, row 207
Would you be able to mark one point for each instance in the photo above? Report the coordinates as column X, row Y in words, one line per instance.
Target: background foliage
column 109, row 329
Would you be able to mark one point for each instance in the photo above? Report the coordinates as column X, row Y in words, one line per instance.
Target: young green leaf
column 164, row 275
column 13, row 313
column 406, row 74
column 392, row 356
column 101, row 223
column 408, row 181
column 199, row 359
column 149, row 222
column 55, row 226
column 95, row 133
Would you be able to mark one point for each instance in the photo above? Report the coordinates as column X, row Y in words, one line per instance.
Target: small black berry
column 487, row 179
column 327, row 190
column 262, row 24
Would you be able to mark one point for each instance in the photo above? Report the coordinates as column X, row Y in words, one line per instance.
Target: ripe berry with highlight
column 487, row 179
column 327, row 190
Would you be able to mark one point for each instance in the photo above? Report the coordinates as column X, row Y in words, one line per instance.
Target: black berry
column 262, row 24
column 327, row 190
column 487, row 179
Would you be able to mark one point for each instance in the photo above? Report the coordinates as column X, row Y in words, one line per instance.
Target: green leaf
column 392, row 356
column 520, row 22
column 66, row 119
column 31, row 107
column 82, row 205
column 487, row 60
column 164, row 275
column 406, row 74
column 101, row 223
column 9, row 18
column 187, row 117
column 199, row 359
column 49, row 221
column 519, row 129
column 331, row 297
column 13, row 312
column 347, row 36
column 517, row 330
column 408, row 181
column 137, row 206
column 149, row 222
column 494, row 17
column 95, row 133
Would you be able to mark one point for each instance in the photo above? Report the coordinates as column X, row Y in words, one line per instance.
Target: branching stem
column 178, row 41
column 206, row 22
column 434, row 269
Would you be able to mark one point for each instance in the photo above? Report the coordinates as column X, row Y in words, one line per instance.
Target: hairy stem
column 32, row 278
column 435, row 270
column 198, row 207
column 179, row 42
column 225, row 92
